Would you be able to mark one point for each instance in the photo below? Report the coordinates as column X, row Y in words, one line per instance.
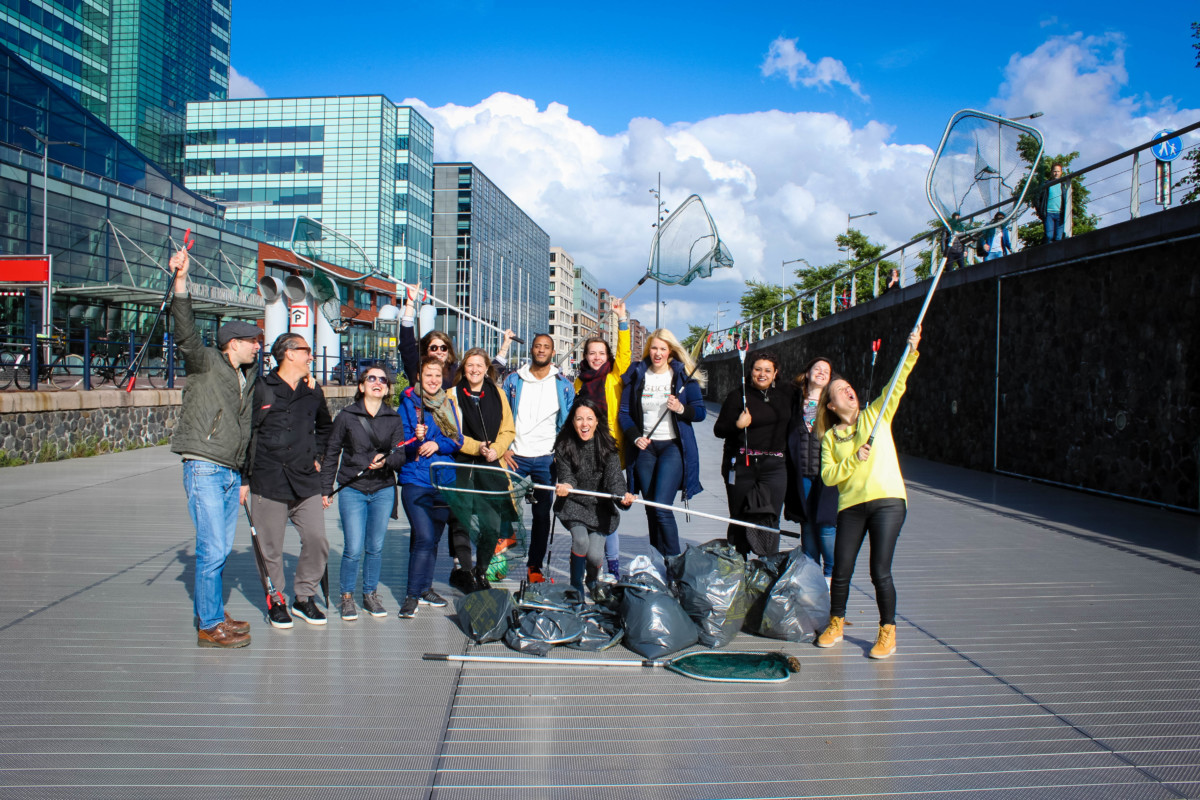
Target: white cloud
column 784, row 57
column 242, row 87
column 779, row 184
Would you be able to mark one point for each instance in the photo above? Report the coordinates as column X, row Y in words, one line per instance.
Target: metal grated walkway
column 1048, row 649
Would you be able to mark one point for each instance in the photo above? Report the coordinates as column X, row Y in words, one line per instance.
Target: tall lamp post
column 46, row 143
column 661, row 216
column 848, row 218
column 783, row 290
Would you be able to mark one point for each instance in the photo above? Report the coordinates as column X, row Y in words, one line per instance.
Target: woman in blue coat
column 431, row 414
column 658, row 406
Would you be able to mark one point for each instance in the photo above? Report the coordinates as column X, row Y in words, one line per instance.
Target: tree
column 1033, row 233
column 861, row 250
column 1191, row 181
column 694, row 334
column 760, row 297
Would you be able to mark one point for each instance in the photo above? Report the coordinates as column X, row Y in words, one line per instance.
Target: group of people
column 807, row 450
column 798, row 448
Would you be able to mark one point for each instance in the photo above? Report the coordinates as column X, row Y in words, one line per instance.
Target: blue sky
column 785, row 117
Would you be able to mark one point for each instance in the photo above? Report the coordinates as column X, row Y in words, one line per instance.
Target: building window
column 553, row 258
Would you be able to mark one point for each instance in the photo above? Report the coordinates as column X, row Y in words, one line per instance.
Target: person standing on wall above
column 1050, row 206
column 291, row 430
column 541, row 399
column 600, row 381
column 952, row 246
column 658, row 406
column 212, row 435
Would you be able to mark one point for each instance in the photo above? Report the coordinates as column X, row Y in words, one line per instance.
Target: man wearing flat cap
column 212, row 435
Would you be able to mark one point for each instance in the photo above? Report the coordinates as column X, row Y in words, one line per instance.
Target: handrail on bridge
column 748, row 331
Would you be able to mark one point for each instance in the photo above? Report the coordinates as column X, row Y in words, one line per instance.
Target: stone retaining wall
column 46, row 426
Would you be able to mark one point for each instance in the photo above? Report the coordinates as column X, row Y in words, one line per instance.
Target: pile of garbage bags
column 709, row 594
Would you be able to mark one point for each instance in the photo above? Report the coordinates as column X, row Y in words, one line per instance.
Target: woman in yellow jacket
column 600, row 381
column 871, row 497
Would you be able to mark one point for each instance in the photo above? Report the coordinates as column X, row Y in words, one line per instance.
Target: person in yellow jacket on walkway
column 600, row 381
column 871, row 497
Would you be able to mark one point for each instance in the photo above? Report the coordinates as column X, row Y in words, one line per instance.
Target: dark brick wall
column 1097, row 352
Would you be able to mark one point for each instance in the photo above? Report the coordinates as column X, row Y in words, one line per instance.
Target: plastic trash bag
column 538, row 630
column 485, row 615
column 645, row 564
column 556, row 596
column 601, row 630
column 708, row 582
column 797, row 607
column 655, row 624
column 761, row 574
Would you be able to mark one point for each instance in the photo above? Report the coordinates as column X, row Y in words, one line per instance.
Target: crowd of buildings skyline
column 143, row 143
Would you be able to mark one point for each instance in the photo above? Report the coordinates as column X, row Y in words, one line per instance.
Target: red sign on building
column 24, row 269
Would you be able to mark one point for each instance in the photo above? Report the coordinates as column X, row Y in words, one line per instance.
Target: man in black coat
column 291, row 428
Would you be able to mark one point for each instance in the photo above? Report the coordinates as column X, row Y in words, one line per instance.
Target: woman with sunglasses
column 434, row 344
column 362, row 453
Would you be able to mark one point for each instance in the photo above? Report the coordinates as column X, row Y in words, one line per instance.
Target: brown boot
column 833, row 633
column 885, row 645
column 236, row 625
column 221, row 635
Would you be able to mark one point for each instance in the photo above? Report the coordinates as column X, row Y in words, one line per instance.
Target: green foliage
column 695, row 332
column 10, row 461
column 1033, row 233
column 760, row 297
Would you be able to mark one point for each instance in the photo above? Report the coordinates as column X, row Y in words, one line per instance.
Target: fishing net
column 486, row 501
column 978, row 170
column 733, row 667
column 313, row 241
column 687, row 246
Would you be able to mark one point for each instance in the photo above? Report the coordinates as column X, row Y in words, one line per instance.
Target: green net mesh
column 734, row 667
column 980, row 164
column 687, row 246
column 317, row 242
column 486, row 501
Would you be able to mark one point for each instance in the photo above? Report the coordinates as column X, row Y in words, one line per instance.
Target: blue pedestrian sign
column 1168, row 150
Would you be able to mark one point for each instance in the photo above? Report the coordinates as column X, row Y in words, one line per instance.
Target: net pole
column 589, row 662
column 937, row 276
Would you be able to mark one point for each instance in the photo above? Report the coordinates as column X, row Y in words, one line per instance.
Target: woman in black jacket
column 809, row 501
column 752, row 462
column 365, row 435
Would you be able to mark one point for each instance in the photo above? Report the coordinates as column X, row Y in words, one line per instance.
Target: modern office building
column 135, row 64
column 361, row 166
column 113, row 219
column 607, row 321
column 490, row 259
column 562, row 306
column 586, row 296
column 637, row 339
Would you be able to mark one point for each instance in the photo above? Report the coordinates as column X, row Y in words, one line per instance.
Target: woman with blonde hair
column 659, row 403
column 600, row 381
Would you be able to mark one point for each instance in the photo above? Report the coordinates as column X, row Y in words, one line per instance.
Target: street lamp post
column 783, row 290
column 46, row 143
column 852, row 283
column 662, row 215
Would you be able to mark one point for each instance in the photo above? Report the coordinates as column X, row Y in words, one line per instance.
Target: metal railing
column 1111, row 201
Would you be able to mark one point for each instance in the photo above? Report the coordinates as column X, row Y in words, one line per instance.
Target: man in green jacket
column 213, row 435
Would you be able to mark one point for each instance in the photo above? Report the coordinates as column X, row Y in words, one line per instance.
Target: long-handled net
column 722, row 666
column 977, row 182
column 686, row 246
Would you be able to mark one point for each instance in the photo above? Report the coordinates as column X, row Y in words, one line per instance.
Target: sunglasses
column 438, row 347
column 302, row 349
column 375, row 379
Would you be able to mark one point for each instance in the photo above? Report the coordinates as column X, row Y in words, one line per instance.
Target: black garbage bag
column 601, row 630
column 485, row 615
column 761, row 574
column 561, row 597
column 797, row 607
column 655, row 624
column 538, row 630
column 708, row 582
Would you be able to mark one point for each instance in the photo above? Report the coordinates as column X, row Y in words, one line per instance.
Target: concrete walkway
column 1048, row 649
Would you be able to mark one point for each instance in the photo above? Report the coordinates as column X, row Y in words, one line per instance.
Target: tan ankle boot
column 885, row 645
column 832, row 633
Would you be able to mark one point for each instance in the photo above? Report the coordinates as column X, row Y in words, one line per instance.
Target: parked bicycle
column 63, row 370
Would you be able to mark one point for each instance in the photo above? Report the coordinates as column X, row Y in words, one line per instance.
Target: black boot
column 578, row 566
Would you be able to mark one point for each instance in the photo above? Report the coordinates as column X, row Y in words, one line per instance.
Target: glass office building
column 113, row 217
column 489, row 258
column 135, row 64
column 359, row 165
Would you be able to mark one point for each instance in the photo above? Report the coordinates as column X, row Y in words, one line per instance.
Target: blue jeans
column 212, row 493
column 659, row 471
column 364, row 526
column 541, row 470
column 427, row 517
column 816, row 540
column 1054, row 227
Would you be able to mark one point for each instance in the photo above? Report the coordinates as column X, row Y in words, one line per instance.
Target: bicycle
column 108, row 360
column 63, row 371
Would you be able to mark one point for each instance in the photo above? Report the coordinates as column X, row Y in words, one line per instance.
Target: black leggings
column 882, row 520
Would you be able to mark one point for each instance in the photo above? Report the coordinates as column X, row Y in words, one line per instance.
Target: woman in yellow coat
column 600, row 381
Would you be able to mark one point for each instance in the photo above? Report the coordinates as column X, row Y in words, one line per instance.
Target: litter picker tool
column 686, row 246
column 460, row 478
column 721, row 666
column 274, row 596
column 365, row 470
column 874, row 355
column 130, row 376
column 974, row 171
column 742, row 348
